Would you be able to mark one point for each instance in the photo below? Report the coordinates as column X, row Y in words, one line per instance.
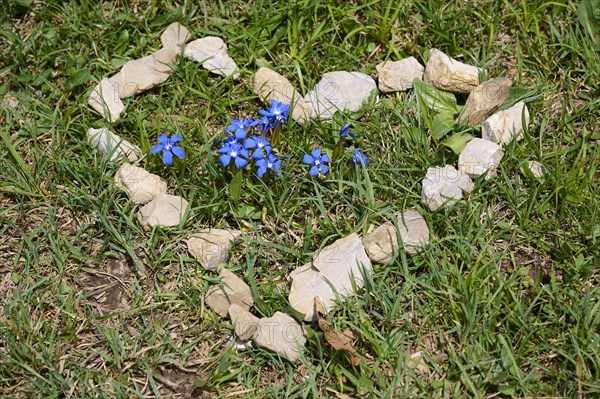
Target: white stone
column 536, row 169
column 398, row 75
column 143, row 74
column 444, row 186
column 281, row 334
column 231, row 290
column 244, row 322
column 504, row 126
column 175, row 36
column 480, row 156
column 141, row 185
column 450, row 75
column 211, row 247
column 269, row 85
column 9, row 101
column 164, row 210
column 338, row 264
column 106, row 101
column 341, row 91
column 112, row 145
column 211, row 52
column 484, row 100
column 381, row 244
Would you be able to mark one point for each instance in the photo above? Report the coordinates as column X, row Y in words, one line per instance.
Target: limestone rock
column 244, row 322
column 106, row 101
column 339, row 90
column 484, row 100
column 281, row 334
column 381, row 244
column 269, row 85
column 175, row 36
column 398, row 75
column 9, row 101
column 536, row 169
column 164, row 210
column 504, row 126
column 444, row 186
column 143, row 74
column 337, row 264
column 141, row 185
column 231, row 290
column 112, row 145
column 480, row 156
column 450, row 75
column 211, row 247
column 211, row 52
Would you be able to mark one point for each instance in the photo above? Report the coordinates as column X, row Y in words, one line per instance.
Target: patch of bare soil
column 539, row 267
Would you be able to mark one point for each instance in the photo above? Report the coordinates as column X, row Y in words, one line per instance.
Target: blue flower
column 360, row 159
column 233, row 151
column 263, row 124
column 345, row 131
column 317, row 161
column 239, row 126
column 259, row 144
column 269, row 163
column 168, row 148
column 276, row 112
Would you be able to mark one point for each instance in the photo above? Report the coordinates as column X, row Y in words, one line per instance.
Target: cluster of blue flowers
column 240, row 146
column 247, row 140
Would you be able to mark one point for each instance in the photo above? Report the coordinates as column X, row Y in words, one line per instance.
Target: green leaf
column 235, row 187
column 587, row 19
column 457, row 142
column 435, row 99
column 506, row 389
column 77, row 79
column 442, row 124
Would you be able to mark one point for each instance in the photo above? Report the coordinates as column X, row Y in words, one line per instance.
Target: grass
column 504, row 302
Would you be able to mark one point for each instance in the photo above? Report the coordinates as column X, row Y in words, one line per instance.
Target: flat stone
column 398, row 75
column 211, row 52
column 281, row 334
column 337, row 264
column 9, row 101
column 480, row 156
column 141, row 185
column 269, row 85
column 536, row 169
column 164, row 210
column 339, row 90
column 106, row 101
column 244, row 322
column 381, row 244
column 112, row 145
column 231, row 290
column 484, row 100
column 504, row 126
column 211, row 247
column 450, row 75
column 143, row 74
column 175, row 36
column 444, row 186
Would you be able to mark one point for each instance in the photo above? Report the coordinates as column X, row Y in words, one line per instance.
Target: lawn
column 503, row 302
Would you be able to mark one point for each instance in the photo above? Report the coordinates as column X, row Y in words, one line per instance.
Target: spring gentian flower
column 239, row 126
column 317, row 161
column 269, row 163
column 168, row 147
column 360, row 159
column 259, row 144
column 233, row 151
column 345, row 131
column 276, row 112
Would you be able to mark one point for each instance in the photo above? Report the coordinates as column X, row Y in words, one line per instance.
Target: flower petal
column 324, row 169
column 249, row 143
column 261, row 171
column 157, row 148
column 240, row 162
column 314, row 171
column 325, row 158
column 168, row 158
column 175, row 138
column 225, row 159
column 316, row 153
column 179, row 152
column 308, row 159
column 163, row 138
